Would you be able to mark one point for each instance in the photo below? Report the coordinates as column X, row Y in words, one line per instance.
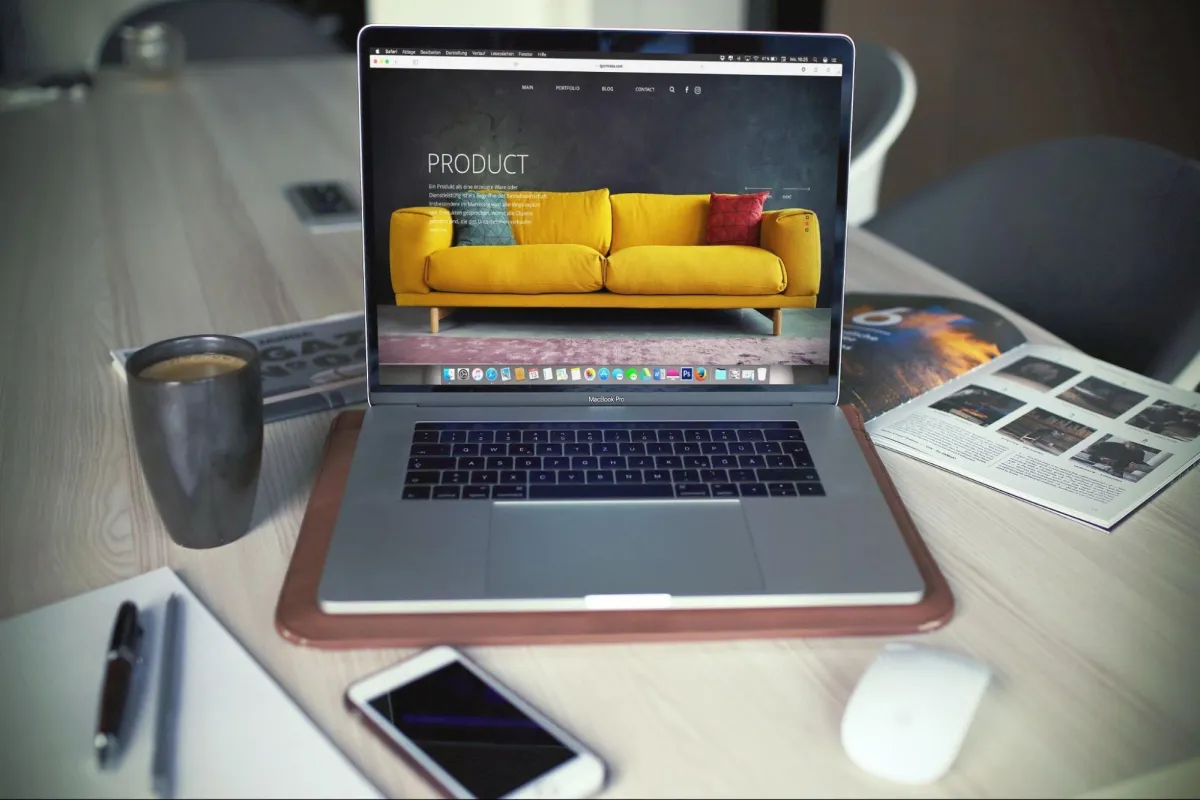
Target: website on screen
column 547, row 219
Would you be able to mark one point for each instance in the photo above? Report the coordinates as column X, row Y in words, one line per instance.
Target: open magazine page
column 896, row 347
column 1055, row 427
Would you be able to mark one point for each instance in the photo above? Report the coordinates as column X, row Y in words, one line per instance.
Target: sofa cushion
column 583, row 218
column 735, row 218
column 515, row 269
column 712, row 269
column 643, row 219
column 482, row 218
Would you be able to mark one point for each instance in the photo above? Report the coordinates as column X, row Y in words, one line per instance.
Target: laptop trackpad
column 577, row 549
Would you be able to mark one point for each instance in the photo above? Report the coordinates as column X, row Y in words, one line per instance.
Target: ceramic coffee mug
column 196, row 405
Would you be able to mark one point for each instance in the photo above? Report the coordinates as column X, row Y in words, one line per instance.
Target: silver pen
column 162, row 771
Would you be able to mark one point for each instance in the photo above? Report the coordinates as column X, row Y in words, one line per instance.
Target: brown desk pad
column 300, row 620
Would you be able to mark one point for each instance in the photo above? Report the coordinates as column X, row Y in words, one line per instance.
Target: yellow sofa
column 592, row 249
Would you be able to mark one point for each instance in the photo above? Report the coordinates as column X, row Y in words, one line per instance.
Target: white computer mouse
column 910, row 712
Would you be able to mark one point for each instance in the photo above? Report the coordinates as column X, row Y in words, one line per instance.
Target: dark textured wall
column 740, row 133
column 978, row 95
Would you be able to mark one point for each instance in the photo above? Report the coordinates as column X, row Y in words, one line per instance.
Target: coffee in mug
column 196, row 366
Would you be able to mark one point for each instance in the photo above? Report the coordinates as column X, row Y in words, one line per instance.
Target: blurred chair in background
column 885, row 91
column 1095, row 239
column 214, row 30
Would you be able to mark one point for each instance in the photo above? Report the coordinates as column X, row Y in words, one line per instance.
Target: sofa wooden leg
column 776, row 317
column 436, row 315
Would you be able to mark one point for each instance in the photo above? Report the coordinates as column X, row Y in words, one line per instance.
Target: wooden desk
column 142, row 214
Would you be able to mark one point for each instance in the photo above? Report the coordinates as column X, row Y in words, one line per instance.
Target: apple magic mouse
column 907, row 718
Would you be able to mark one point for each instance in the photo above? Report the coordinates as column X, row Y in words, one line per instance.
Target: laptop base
column 391, row 555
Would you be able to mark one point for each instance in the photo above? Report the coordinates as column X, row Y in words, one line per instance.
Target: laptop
column 604, row 285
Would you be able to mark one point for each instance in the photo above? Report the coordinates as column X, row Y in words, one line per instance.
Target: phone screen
column 473, row 733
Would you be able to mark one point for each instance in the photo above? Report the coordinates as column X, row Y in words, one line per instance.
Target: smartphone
column 470, row 734
column 324, row 207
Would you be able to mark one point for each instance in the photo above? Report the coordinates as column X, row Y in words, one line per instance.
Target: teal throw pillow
column 482, row 219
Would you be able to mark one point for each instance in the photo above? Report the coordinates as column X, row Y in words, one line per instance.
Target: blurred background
column 974, row 120
column 992, row 74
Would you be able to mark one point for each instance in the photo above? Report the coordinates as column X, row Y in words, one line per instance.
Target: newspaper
column 307, row 367
column 1054, row 427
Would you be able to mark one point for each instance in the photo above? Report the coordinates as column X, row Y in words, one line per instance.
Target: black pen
column 121, row 658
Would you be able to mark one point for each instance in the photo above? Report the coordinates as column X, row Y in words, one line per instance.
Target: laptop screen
column 567, row 210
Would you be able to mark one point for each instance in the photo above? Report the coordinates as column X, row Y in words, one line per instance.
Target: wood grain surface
column 146, row 212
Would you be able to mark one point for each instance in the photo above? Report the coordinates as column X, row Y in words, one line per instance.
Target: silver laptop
column 604, row 285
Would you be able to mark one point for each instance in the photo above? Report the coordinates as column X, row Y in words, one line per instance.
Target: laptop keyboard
column 639, row 460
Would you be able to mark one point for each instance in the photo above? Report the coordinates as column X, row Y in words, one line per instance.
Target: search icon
column 672, row 90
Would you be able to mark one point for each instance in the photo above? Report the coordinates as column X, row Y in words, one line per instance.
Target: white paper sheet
column 238, row 733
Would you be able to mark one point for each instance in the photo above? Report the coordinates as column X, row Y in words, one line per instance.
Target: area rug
column 731, row 350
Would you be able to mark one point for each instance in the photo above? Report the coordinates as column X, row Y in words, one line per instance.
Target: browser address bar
column 631, row 66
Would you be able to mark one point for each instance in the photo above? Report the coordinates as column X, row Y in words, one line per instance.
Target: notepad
column 239, row 734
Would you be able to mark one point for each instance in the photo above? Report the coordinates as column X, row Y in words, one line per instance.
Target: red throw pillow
column 735, row 218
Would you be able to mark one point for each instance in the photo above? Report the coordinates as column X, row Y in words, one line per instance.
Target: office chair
column 215, row 30
column 885, row 91
column 1095, row 239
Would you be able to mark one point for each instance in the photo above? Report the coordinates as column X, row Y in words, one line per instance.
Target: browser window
column 545, row 218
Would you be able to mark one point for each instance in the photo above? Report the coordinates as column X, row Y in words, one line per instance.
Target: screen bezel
column 580, row 776
column 597, row 41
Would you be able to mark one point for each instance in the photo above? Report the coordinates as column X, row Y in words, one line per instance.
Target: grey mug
column 200, row 440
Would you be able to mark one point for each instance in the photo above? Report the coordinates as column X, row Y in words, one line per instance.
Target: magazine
column 1054, row 427
column 898, row 346
column 306, row 366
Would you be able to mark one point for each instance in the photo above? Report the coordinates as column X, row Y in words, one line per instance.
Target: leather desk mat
column 299, row 618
